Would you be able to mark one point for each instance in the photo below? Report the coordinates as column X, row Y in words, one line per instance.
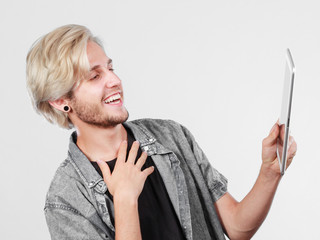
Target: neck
column 100, row 143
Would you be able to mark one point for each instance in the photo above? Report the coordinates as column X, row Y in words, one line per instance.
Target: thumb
column 104, row 169
column 273, row 135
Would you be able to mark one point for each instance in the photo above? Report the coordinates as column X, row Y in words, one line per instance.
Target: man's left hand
column 269, row 150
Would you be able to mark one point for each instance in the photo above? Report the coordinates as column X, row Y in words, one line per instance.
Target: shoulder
column 164, row 128
column 169, row 133
column 158, row 125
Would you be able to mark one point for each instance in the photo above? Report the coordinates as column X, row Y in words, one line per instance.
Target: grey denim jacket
column 77, row 206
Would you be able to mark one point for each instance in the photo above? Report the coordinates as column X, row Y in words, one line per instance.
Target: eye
column 96, row 76
column 110, row 67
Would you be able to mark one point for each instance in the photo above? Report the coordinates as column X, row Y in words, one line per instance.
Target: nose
column 112, row 80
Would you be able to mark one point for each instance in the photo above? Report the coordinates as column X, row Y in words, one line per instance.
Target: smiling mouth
column 114, row 99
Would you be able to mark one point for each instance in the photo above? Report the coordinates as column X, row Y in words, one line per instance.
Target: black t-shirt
column 158, row 219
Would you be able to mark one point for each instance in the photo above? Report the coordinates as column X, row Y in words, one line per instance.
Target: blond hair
column 56, row 63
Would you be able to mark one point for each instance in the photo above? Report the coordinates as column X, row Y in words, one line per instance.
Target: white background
column 215, row 66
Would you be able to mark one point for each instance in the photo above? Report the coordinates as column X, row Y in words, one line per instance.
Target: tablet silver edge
column 287, row 125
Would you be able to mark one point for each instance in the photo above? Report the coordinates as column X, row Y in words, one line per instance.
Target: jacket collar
column 84, row 167
column 147, row 140
column 87, row 172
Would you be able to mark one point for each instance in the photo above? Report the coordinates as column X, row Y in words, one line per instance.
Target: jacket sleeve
column 216, row 182
column 67, row 223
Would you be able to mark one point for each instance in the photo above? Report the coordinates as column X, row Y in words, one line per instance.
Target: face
column 98, row 100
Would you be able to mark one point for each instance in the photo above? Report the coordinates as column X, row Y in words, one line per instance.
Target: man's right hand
column 127, row 179
column 125, row 185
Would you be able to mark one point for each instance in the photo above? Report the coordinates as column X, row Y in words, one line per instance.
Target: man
column 131, row 180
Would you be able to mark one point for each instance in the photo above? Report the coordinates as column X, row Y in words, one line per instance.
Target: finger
column 148, row 171
column 289, row 161
column 292, row 149
column 272, row 137
column 142, row 160
column 122, row 153
column 133, row 152
column 106, row 173
column 290, row 140
column 273, row 127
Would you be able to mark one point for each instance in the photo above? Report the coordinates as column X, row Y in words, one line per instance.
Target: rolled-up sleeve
column 216, row 182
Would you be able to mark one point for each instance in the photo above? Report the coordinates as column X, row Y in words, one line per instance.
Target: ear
column 60, row 104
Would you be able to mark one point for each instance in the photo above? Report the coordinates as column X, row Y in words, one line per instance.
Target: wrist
column 268, row 173
column 123, row 198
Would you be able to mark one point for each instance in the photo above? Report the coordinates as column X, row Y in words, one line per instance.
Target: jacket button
column 91, row 184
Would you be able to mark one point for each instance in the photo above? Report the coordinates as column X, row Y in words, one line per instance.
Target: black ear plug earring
column 66, row 108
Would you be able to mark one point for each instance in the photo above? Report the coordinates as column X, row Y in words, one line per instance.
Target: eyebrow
column 98, row 66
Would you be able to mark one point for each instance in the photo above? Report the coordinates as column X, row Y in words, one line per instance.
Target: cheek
column 90, row 90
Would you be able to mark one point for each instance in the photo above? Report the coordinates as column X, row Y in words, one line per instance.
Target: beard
column 92, row 114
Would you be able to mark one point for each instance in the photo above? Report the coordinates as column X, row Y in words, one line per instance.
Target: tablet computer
column 284, row 119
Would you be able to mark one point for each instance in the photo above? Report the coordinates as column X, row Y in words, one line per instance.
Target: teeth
column 113, row 98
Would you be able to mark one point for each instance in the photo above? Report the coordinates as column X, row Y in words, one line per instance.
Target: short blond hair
column 56, row 63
